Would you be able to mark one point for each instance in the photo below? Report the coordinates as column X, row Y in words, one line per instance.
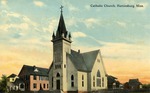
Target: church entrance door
column 58, row 84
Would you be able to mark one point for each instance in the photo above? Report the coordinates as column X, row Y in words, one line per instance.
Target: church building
column 72, row 71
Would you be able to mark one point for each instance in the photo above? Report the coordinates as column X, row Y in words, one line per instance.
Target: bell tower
column 61, row 45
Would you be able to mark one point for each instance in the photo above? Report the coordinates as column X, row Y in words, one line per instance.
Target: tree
column 3, row 83
column 146, row 86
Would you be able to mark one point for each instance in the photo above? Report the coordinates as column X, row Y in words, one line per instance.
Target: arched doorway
column 58, row 81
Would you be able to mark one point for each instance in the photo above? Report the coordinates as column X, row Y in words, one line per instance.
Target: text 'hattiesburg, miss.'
column 117, row 5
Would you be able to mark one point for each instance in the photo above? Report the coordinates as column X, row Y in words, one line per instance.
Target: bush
column 3, row 84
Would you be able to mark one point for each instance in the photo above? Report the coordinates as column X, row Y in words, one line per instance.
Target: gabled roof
column 83, row 61
column 89, row 58
column 77, row 60
column 12, row 76
column 133, row 82
column 33, row 70
column 111, row 79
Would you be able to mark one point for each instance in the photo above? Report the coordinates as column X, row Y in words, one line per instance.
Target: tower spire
column 61, row 32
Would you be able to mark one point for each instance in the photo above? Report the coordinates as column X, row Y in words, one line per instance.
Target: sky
column 121, row 33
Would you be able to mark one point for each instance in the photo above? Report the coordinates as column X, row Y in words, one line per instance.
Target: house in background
column 35, row 78
column 15, row 83
column 11, row 79
column 113, row 83
column 73, row 71
column 133, row 84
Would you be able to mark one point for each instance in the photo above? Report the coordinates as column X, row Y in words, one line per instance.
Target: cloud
column 90, row 22
column 126, row 52
column 78, row 34
column 12, row 14
column 70, row 6
column 72, row 22
column 73, row 8
column 4, row 27
column 28, row 20
column 121, row 24
column 52, row 25
column 21, row 21
column 22, row 26
column 4, row 2
column 38, row 3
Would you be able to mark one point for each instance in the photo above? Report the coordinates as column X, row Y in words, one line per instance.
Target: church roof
column 77, row 60
column 83, row 61
column 89, row 58
column 33, row 70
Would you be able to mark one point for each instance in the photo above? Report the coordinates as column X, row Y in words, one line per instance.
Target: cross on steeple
column 61, row 7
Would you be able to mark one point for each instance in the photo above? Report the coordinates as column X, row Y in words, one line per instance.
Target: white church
column 72, row 71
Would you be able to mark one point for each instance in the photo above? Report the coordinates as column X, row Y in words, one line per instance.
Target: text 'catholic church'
column 73, row 71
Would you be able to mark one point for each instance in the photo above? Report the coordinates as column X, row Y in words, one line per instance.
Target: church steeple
column 61, row 27
column 61, row 32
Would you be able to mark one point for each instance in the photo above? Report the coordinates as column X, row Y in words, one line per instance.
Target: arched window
column 72, row 77
column 21, row 85
column 72, row 81
column 57, row 75
column 98, row 79
column 98, row 74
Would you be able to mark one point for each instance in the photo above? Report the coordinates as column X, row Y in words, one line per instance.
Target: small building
column 10, row 81
column 133, row 84
column 15, row 83
column 35, row 78
column 113, row 83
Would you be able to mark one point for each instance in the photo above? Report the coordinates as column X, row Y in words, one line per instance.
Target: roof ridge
column 79, row 57
column 84, row 62
column 12, row 75
column 35, row 66
column 92, row 55
column 91, row 51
